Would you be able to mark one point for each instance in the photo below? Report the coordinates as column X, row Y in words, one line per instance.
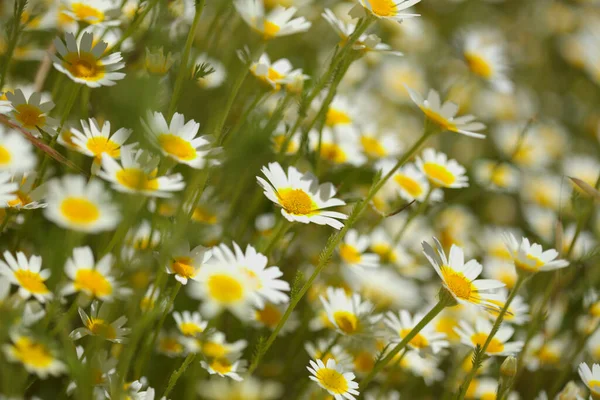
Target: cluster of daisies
column 335, row 229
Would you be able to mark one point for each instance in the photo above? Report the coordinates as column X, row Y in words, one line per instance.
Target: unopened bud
column 508, row 368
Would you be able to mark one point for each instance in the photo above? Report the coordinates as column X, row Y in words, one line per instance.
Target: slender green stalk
column 130, row 217
column 183, row 67
column 411, row 217
column 240, row 122
column 479, row 354
column 133, row 27
column 19, row 7
column 332, row 243
column 177, row 374
column 283, row 225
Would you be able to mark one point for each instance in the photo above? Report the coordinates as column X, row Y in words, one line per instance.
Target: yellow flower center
column 269, row 316
column 372, row 147
column 79, row 210
column 508, row 278
column 383, row 8
column 531, row 264
column 419, row 341
column 30, row 116
column 332, row 380
column 363, row 362
column 479, row 65
column 93, row 282
column 213, row 349
column 439, row 173
column 221, row 365
column 5, row 156
column 458, row 284
column 136, row 179
column 84, row 66
column 270, row 29
column 494, row 347
column 183, row 266
column 102, row 328
column 225, row 289
column 170, row 345
column 346, row 321
column 349, row 254
column 595, row 309
column 21, row 200
column 279, row 140
column 446, row 325
column 500, row 176
column 594, row 386
column 337, row 117
column 31, row 353
column 87, row 13
column 100, row 144
column 296, row 201
column 439, row 120
column 547, row 355
column 177, row 147
column 543, row 196
column 488, row 396
column 201, row 214
column 31, row 281
column 333, row 153
column 190, row 329
column 410, row 185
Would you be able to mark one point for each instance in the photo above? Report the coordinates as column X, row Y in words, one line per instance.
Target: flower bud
column 508, row 368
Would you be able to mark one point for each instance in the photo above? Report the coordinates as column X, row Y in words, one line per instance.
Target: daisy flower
column 517, row 312
column 270, row 315
column 353, row 251
column 96, row 324
column 348, row 314
column 591, row 378
column 338, row 146
column 92, row 11
column 333, row 379
column 278, row 22
column 216, row 346
column 32, row 114
column 444, row 115
column 441, row 171
column 214, row 80
column 83, row 63
column 384, row 9
column 186, row 263
column 36, row 357
column 274, row 74
column 378, row 144
column 545, row 352
column 26, row 198
column 341, row 112
column 27, row 275
column 190, row 323
column 497, row 175
column 83, row 206
column 95, row 279
column 323, row 350
column 137, row 174
column 170, row 343
column 530, row 257
column 95, row 141
column 225, row 367
column 411, row 183
column 402, row 324
column 279, row 137
column 179, row 140
column 8, row 190
column 300, row 196
column 250, row 388
column 157, row 63
column 460, row 278
column 499, row 345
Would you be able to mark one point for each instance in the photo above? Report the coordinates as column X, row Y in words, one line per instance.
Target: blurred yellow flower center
column 385, row 252
column 190, row 328
column 269, row 315
column 419, row 341
column 101, row 328
column 458, row 284
column 21, row 200
column 177, row 147
column 203, row 215
column 225, row 288
column 31, row 353
column 383, row 8
column 30, row 116
column 136, row 179
column 337, row 117
column 270, row 29
column 349, row 253
column 183, row 266
column 446, row 325
column 439, row 120
column 296, row 201
column 372, row 147
column 332, row 380
column 479, row 65
column 85, row 12
column 547, row 355
column 79, row 210
column 363, row 361
column 84, row 66
column 5, row 155
column 100, row 144
column 595, row 309
column 333, row 153
column 31, row 281
column 488, row 396
column 170, row 345
column 274, row 75
column 346, row 321
column 409, row 184
column 439, row 173
column 93, row 282
column 531, row 264
column 221, row 366
column 291, row 147
column 213, row 349
column 67, row 137
column 495, row 345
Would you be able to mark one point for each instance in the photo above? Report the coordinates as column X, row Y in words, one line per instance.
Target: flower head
column 97, row 324
column 333, row 379
column 530, row 257
column 403, row 323
column 385, row 9
column 441, row 171
column 36, row 356
column 16, row 153
column 186, row 263
column 498, row 346
column 27, row 274
column 278, row 22
column 32, row 114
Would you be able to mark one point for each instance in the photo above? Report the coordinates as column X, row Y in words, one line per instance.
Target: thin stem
column 280, row 230
column 183, row 67
column 411, row 217
column 240, row 122
column 133, row 27
column 19, row 7
column 177, row 374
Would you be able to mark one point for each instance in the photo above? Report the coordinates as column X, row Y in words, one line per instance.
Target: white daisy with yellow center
column 273, row 75
column 84, row 62
column 92, row 11
column 300, row 196
column 545, row 352
column 216, row 346
column 278, row 22
column 379, row 143
column 477, row 336
column 584, row 167
column 525, row 150
column 591, row 378
column 32, row 114
column 496, row 175
column 325, row 349
column 353, row 253
column 338, row 146
column 460, row 278
column 82, row 206
column 341, row 112
column 250, row 388
column 214, row 80
column 25, row 196
column 411, row 183
column 190, row 324
column 441, row 171
column 97, row 324
column 270, row 315
column 27, row 274
column 517, row 312
column 501, row 270
column 92, row 278
column 333, row 378
column 36, row 357
column 170, row 343
column 530, row 257
column 444, row 115
column 179, row 140
column 185, row 262
column 384, row 9
column 348, row 314
column 8, row 190
column 279, row 138
column 545, row 190
column 428, row 338
column 225, row 367
column 137, row 173
column 157, row 63
column 95, row 141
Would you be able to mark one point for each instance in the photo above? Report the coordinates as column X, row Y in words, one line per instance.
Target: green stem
column 183, row 67
column 283, row 225
column 240, row 122
column 332, row 244
column 411, row 217
column 68, row 106
column 133, row 27
column 479, row 354
column 19, row 7
column 177, row 374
